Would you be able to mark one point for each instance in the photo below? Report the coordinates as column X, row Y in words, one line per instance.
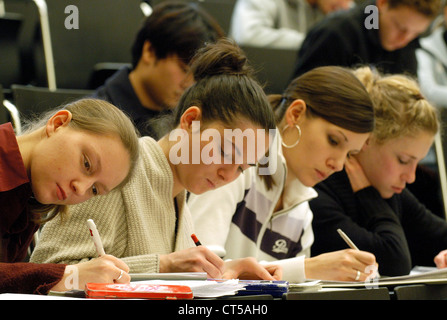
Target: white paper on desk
column 204, row 288
column 423, row 276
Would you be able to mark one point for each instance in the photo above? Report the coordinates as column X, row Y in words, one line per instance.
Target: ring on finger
column 358, row 276
column 121, row 274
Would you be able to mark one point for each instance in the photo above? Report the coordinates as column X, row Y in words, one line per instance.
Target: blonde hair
column 399, row 107
column 94, row 116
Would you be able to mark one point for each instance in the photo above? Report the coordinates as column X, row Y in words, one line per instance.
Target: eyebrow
column 344, row 136
column 234, row 146
column 409, row 155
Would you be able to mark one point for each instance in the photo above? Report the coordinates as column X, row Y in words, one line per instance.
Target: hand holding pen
column 354, row 247
column 101, row 253
column 105, row 269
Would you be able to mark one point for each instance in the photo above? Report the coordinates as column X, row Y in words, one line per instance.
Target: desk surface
column 340, row 294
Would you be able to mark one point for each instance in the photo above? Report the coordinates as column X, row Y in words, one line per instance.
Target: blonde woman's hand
column 105, row 269
column 441, row 259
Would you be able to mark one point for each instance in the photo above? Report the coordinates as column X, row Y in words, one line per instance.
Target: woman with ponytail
column 148, row 224
column 322, row 117
column 368, row 199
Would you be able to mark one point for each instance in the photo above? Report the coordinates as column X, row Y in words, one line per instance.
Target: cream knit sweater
column 136, row 224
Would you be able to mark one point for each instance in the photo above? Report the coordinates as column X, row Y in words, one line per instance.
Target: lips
column 61, row 195
column 212, row 185
column 397, row 189
column 321, row 175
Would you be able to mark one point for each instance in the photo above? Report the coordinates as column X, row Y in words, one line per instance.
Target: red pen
column 196, row 240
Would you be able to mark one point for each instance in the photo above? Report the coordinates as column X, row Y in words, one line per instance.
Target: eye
column 222, row 152
column 402, row 161
column 87, row 164
column 332, row 141
column 95, row 190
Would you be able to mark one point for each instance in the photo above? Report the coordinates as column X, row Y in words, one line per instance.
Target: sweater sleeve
column 29, row 278
column 68, row 240
column 426, row 232
column 375, row 227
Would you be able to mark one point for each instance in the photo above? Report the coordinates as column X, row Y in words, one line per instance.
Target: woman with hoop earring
column 322, row 117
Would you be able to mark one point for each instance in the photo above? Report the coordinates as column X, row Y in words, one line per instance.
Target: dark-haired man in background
column 161, row 53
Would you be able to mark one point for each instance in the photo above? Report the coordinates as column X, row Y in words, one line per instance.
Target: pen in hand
column 196, row 240
column 95, row 237
column 352, row 245
column 347, row 240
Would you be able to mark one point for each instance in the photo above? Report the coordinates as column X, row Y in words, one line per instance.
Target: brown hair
column 429, row 8
column 332, row 93
column 225, row 88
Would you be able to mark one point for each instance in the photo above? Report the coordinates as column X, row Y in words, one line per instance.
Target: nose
column 228, row 172
column 336, row 163
column 81, row 186
column 409, row 176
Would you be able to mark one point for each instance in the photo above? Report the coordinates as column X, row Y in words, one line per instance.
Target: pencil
column 347, row 240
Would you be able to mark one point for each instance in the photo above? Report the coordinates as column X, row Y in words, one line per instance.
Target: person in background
column 84, row 150
column 390, row 47
column 322, row 117
column 148, row 224
column 368, row 199
column 432, row 64
column 380, row 33
column 279, row 23
column 161, row 54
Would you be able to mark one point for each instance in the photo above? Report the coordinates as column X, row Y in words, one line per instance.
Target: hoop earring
column 297, row 141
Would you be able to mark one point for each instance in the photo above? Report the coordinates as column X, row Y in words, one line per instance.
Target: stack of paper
column 205, row 288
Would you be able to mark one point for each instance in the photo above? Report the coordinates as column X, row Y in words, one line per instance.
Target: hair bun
column 223, row 57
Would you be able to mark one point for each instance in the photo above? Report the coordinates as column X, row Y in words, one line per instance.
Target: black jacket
column 119, row 91
column 399, row 231
column 343, row 40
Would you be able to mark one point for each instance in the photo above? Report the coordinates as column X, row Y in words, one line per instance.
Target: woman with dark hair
column 148, row 224
column 322, row 117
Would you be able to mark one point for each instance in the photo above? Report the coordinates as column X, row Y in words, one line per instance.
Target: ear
column 367, row 144
column 295, row 112
column 148, row 54
column 59, row 120
column 191, row 114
